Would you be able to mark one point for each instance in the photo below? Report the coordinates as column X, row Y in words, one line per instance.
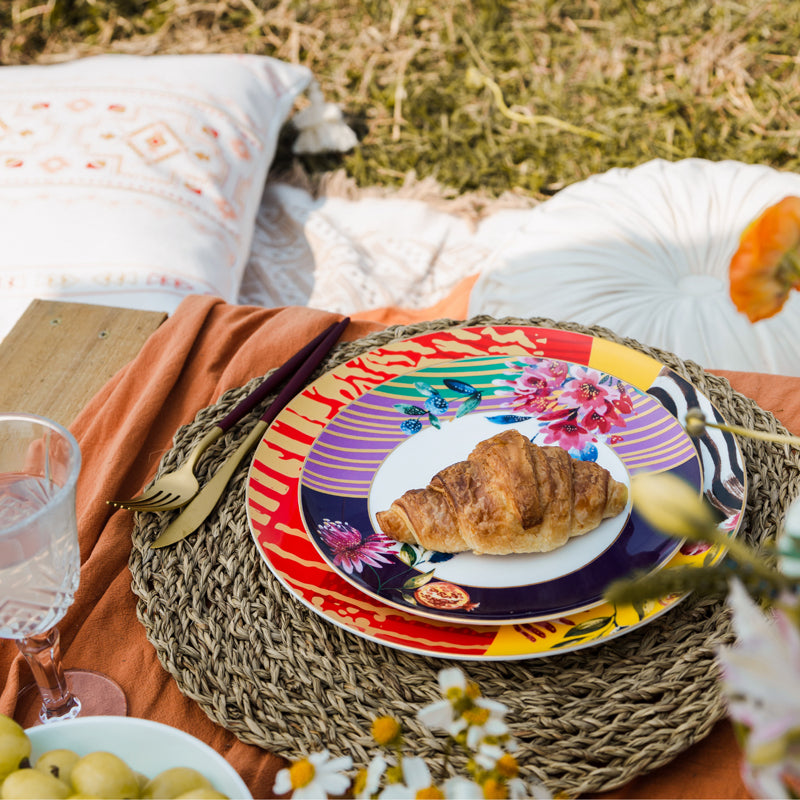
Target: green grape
column 58, row 763
column 15, row 746
column 31, row 783
column 105, row 775
column 143, row 781
column 202, row 794
column 174, row 782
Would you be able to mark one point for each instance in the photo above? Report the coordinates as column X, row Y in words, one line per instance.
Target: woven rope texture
column 277, row 675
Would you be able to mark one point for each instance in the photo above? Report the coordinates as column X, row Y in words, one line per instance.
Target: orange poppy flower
column 766, row 267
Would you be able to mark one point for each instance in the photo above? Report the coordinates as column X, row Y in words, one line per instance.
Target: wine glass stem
column 43, row 654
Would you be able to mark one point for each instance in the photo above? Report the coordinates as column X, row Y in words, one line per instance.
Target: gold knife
column 193, row 515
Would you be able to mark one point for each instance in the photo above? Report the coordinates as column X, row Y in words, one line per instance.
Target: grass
column 522, row 96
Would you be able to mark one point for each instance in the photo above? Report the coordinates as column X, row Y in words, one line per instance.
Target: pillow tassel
column 322, row 127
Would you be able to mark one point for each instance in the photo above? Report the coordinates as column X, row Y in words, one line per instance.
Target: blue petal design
column 589, row 453
column 411, row 426
column 459, row 386
column 507, row 419
column 436, row 403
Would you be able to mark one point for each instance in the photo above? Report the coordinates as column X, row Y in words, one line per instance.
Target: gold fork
column 175, row 489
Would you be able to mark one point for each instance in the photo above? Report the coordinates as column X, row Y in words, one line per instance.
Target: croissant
column 509, row 496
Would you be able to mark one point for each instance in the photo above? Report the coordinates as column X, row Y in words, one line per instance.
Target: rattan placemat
column 262, row 665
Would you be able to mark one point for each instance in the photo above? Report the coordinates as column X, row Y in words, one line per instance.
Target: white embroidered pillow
column 134, row 181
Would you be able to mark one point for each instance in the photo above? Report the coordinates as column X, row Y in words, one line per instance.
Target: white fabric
column 351, row 255
column 645, row 253
column 135, row 180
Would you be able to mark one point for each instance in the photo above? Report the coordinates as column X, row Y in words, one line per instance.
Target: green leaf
column 411, row 411
column 418, row 580
column 566, row 642
column 588, row 626
column 408, row 555
column 434, row 420
column 423, row 388
column 410, row 599
column 469, row 404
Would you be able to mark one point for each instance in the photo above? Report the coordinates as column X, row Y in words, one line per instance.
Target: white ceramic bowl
column 147, row 747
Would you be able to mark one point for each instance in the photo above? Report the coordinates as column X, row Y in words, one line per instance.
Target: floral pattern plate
column 391, row 400
column 399, row 434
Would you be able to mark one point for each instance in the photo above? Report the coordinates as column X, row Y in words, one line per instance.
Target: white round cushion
column 645, row 253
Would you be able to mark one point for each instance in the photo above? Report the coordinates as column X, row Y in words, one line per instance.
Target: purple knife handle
column 299, row 379
column 266, row 387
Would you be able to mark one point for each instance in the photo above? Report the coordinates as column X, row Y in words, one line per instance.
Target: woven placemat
column 262, row 665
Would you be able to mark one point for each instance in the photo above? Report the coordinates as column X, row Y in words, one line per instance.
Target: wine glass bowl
column 39, row 559
column 40, row 463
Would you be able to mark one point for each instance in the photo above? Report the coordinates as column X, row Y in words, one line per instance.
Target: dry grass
column 516, row 95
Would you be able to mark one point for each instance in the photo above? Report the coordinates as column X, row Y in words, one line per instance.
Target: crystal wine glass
column 40, row 567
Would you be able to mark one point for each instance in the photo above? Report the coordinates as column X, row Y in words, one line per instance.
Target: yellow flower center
column 476, row 715
column 394, row 774
column 507, row 766
column 473, row 690
column 453, row 694
column 360, row 782
column 301, row 773
column 431, row 793
column 385, row 730
column 494, row 789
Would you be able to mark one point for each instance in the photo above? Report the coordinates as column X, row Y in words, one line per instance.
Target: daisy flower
column 483, row 721
column 314, row 777
column 463, row 711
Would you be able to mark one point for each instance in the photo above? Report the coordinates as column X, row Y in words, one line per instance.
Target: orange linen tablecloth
column 205, row 348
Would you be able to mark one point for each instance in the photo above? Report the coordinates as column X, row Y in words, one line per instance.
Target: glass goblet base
column 97, row 695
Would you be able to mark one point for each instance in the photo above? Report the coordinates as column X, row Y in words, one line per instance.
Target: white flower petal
column 311, row 791
column 459, row 788
column 416, row 774
column 283, row 783
column 456, row 726
column 375, row 770
column 475, row 735
column 339, row 764
column 495, row 708
column 334, row 783
column 518, row 790
column 484, row 761
column 436, row 715
column 451, row 677
column 320, row 758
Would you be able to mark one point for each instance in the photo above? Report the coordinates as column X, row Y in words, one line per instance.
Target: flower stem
column 763, row 436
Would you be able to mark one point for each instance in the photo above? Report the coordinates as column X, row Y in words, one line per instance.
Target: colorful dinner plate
column 396, row 436
column 387, row 420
